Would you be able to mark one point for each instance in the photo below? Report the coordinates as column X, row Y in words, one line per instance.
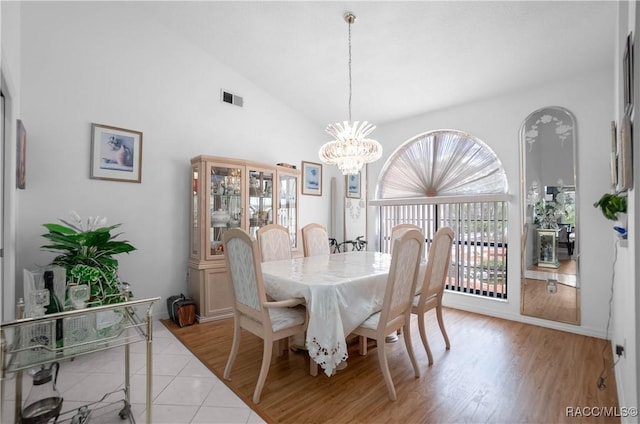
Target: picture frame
column 21, row 156
column 614, row 155
column 353, row 186
column 627, row 74
column 625, row 154
column 116, row 154
column 311, row 178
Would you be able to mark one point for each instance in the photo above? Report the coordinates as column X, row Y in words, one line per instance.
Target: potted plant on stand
column 614, row 208
column 86, row 251
column 547, row 214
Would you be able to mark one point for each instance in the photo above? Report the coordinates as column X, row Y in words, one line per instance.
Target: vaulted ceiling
column 408, row 57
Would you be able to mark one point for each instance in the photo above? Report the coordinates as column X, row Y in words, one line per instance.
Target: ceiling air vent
column 232, row 99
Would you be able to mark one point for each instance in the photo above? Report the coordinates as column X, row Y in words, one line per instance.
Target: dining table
column 341, row 290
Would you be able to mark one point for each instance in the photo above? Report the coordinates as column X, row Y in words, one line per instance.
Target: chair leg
column 298, row 342
column 264, row 369
column 423, row 336
column 409, row 345
column 384, row 367
column 313, row 367
column 235, row 345
column 282, row 346
column 441, row 324
column 363, row 345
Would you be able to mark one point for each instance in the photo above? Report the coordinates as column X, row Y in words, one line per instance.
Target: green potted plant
column 611, row 204
column 86, row 251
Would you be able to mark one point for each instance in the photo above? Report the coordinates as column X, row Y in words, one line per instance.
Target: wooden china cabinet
column 233, row 193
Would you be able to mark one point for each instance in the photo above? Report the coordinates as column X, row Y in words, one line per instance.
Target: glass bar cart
column 30, row 342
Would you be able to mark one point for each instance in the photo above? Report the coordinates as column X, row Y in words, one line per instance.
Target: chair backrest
column 274, row 242
column 563, row 235
column 315, row 240
column 243, row 262
column 437, row 264
column 403, row 275
column 399, row 230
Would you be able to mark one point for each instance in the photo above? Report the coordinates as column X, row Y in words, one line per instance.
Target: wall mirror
column 355, row 206
column 550, row 249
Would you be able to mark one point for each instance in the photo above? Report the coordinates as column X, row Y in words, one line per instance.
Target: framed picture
column 627, row 73
column 116, row 154
column 311, row 178
column 614, row 155
column 625, row 152
column 21, row 157
column 353, row 185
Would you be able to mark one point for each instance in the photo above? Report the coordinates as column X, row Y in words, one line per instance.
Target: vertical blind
column 479, row 251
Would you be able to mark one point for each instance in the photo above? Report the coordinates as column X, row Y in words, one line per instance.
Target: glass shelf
column 32, row 340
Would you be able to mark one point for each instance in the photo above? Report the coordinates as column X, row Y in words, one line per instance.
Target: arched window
column 441, row 163
column 450, row 178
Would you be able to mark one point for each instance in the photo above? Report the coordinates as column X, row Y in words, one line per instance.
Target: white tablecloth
column 341, row 291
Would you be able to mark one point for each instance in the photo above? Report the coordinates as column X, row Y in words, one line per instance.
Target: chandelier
column 351, row 148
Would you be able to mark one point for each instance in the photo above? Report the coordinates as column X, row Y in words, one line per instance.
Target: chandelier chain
column 349, row 70
column 351, row 148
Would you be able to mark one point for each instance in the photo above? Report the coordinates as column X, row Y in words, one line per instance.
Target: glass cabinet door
column 260, row 189
column 195, row 212
column 548, row 248
column 287, row 201
column 225, row 205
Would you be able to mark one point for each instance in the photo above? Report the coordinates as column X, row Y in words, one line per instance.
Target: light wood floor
column 497, row 371
column 559, row 306
column 567, row 266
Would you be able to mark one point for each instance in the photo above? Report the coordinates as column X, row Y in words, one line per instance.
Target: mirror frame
column 567, row 117
column 361, row 207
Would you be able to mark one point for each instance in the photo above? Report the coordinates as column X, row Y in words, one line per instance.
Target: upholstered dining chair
column 315, row 240
column 398, row 230
column 273, row 242
column 433, row 283
column 271, row 321
column 396, row 306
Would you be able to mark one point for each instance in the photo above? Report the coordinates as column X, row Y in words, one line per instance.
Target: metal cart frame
column 18, row 355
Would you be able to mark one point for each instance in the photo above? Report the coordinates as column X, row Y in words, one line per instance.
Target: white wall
column 626, row 294
column 497, row 122
column 85, row 62
column 10, row 80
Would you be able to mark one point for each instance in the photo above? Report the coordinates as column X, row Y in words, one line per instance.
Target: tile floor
column 184, row 390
